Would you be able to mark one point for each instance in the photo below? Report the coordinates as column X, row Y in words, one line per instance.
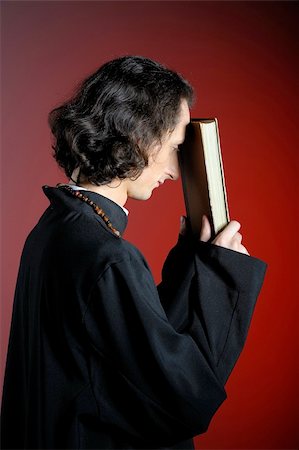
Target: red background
column 240, row 57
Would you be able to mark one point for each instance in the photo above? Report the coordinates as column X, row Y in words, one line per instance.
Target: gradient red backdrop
column 241, row 59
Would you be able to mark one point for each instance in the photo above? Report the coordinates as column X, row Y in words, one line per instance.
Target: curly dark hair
column 106, row 129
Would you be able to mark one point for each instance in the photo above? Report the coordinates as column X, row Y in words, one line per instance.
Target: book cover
column 202, row 175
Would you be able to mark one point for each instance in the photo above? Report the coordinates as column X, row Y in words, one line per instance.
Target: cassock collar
column 115, row 212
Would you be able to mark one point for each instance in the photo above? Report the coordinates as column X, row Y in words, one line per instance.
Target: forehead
column 184, row 118
column 184, row 112
column 177, row 135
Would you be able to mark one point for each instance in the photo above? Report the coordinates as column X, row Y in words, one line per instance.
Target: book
column 202, row 175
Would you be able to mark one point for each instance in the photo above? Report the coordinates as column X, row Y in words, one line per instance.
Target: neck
column 115, row 191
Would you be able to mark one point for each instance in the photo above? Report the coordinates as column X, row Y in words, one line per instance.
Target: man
column 99, row 357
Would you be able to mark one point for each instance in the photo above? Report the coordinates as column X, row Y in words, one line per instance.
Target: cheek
column 144, row 178
column 150, row 172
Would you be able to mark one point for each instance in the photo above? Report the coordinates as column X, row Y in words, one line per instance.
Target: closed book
column 202, row 175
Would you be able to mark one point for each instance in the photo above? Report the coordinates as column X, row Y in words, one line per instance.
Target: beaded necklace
column 99, row 211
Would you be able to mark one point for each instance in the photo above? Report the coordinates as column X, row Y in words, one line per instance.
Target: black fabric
column 99, row 357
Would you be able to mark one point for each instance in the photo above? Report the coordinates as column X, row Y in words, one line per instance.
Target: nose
column 174, row 168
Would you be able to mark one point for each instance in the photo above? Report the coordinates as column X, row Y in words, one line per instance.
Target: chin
column 141, row 195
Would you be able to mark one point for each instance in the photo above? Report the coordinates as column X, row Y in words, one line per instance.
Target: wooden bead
column 95, row 207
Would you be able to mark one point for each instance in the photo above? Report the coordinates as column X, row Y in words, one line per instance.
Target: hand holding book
column 203, row 176
column 204, row 186
column 229, row 237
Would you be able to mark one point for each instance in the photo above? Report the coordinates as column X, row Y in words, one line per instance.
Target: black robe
column 99, row 357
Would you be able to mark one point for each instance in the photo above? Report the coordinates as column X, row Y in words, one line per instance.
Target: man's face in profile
column 163, row 161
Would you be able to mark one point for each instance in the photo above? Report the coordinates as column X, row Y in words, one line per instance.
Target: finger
column 205, row 233
column 238, row 238
column 230, row 230
column 182, row 225
column 228, row 237
column 243, row 249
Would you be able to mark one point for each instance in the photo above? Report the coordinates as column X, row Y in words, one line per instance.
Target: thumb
column 205, row 232
column 182, row 225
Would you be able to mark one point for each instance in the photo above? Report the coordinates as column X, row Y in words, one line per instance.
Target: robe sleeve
column 212, row 292
column 149, row 380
